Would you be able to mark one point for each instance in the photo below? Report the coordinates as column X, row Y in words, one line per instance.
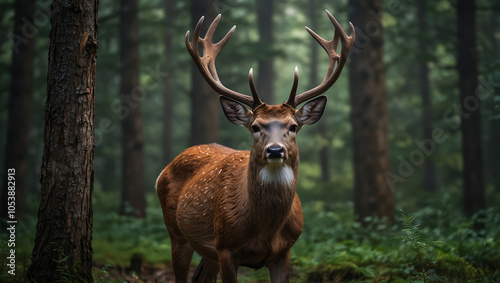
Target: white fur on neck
column 156, row 184
column 277, row 175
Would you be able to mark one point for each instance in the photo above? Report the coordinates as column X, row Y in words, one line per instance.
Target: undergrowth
column 434, row 244
column 419, row 248
column 431, row 245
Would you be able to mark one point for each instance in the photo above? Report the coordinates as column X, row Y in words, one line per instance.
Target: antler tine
column 193, row 46
column 206, row 63
column 255, row 95
column 338, row 27
column 293, row 92
column 337, row 60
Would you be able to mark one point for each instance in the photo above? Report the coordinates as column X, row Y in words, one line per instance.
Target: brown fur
column 215, row 203
column 238, row 207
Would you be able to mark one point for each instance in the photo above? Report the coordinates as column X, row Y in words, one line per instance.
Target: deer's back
column 189, row 186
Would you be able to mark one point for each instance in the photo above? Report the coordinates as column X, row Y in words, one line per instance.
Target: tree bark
column 167, row 95
column 473, row 185
column 19, row 106
column 372, row 194
column 204, row 101
column 265, row 78
column 131, row 93
column 430, row 174
column 63, row 248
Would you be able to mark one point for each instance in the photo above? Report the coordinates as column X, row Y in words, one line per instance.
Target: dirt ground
column 147, row 273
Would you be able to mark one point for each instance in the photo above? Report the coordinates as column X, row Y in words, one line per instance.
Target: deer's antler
column 206, row 63
column 337, row 61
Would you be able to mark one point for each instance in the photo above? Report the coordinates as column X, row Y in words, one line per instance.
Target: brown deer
column 240, row 208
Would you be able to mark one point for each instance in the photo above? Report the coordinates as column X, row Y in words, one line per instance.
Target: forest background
column 426, row 175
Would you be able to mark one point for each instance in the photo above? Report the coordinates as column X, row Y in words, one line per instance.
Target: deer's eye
column 293, row 128
column 255, row 129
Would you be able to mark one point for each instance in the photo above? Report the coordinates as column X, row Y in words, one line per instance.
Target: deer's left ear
column 235, row 112
column 312, row 111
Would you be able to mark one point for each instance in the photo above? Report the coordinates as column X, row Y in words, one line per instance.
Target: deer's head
column 274, row 127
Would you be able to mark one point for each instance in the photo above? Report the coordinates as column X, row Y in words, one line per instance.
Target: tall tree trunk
column 20, row 100
column 4, row 29
column 324, row 157
column 133, row 182
column 494, row 124
column 204, row 101
column 473, row 185
column 372, row 194
column 63, row 249
column 265, row 78
column 167, row 95
column 430, row 175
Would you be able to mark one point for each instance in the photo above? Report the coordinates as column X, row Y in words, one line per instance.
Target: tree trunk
column 204, row 101
column 63, row 250
column 430, row 175
column 19, row 107
column 372, row 194
column 494, row 124
column 324, row 157
column 265, row 76
column 131, row 93
column 167, row 95
column 471, row 124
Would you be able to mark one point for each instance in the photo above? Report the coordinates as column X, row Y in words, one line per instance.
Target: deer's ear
column 235, row 112
column 312, row 111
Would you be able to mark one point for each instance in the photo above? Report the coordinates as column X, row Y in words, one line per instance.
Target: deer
column 240, row 208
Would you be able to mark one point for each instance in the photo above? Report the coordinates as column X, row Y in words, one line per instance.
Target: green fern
column 419, row 247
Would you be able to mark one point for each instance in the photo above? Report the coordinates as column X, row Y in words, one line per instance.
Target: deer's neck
column 271, row 191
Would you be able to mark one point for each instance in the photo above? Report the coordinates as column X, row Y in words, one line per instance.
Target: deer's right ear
column 235, row 112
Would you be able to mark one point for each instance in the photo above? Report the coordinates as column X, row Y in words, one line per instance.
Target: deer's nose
column 275, row 151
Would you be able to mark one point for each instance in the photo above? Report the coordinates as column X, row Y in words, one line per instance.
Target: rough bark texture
column 167, row 95
column 133, row 182
column 430, row 175
column 372, row 194
column 19, row 105
column 63, row 248
column 265, row 76
column 204, row 101
column 471, row 123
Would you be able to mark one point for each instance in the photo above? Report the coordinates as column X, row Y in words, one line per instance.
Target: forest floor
column 151, row 273
column 332, row 248
column 148, row 273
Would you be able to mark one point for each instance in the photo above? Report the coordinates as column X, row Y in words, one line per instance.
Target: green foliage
column 64, row 272
column 418, row 247
column 116, row 238
column 333, row 247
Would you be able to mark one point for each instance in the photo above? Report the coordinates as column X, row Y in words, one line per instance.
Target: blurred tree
column 265, row 79
column 473, row 184
column 63, row 250
column 204, row 101
column 494, row 76
column 4, row 29
column 430, row 174
column 20, row 104
column 372, row 193
column 167, row 94
column 324, row 157
column 131, row 93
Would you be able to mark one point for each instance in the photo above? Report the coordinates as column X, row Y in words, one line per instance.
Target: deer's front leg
column 280, row 270
column 228, row 266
